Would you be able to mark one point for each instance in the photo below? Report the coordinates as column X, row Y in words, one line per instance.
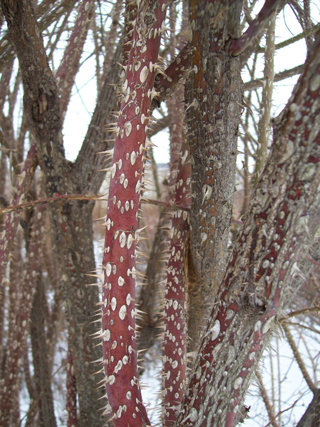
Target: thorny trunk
column 213, row 94
column 264, row 261
column 71, row 223
column 220, row 304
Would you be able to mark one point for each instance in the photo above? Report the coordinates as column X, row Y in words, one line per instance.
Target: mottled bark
column 71, row 222
column 71, row 405
column 255, row 27
column 119, row 261
column 148, row 322
column 213, row 95
column 16, row 342
column 176, row 284
column 245, row 297
column 255, row 285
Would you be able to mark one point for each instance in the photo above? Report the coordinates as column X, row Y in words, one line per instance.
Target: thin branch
column 298, row 357
column 266, row 400
column 70, row 63
column 254, row 84
column 266, row 101
column 294, row 39
column 239, row 45
column 301, row 325
column 299, row 312
column 58, row 197
column 282, row 412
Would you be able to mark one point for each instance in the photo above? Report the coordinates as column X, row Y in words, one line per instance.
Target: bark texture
column 224, row 280
column 213, row 95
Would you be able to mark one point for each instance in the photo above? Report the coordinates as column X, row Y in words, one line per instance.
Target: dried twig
column 58, row 197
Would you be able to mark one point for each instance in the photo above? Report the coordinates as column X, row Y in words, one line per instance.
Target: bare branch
column 266, row 102
column 266, row 400
column 256, row 26
column 57, row 197
column 254, row 84
column 294, row 39
column 312, row 386
column 70, row 63
column 252, row 291
column 11, row 224
column 41, row 98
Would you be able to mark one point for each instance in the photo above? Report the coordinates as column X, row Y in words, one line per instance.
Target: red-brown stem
column 119, row 264
column 71, row 59
column 17, row 339
column 71, row 405
column 175, row 334
column 58, row 197
column 239, row 45
column 11, row 224
column 111, row 37
column 175, row 322
column 174, row 74
column 309, row 257
column 130, row 16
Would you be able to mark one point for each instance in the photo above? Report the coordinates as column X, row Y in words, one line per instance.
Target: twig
column 294, row 39
column 301, row 325
column 298, row 358
column 265, row 397
column 256, row 26
column 299, row 312
column 58, row 197
column 254, row 84
column 309, row 257
column 282, row 412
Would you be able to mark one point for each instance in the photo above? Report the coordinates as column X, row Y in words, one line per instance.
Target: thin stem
column 298, row 357
column 268, row 405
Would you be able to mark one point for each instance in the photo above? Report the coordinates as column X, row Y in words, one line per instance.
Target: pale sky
column 81, row 107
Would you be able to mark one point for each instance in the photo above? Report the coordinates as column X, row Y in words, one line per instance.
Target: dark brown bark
column 40, row 355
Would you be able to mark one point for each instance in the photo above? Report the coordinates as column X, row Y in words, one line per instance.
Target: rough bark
column 245, row 298
column 176, row 284
column 213, row 96
column 312, row 415
column 255, row 285
column 42, row 375
column 119, row 261
column 16, row 343
column 71, row 224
